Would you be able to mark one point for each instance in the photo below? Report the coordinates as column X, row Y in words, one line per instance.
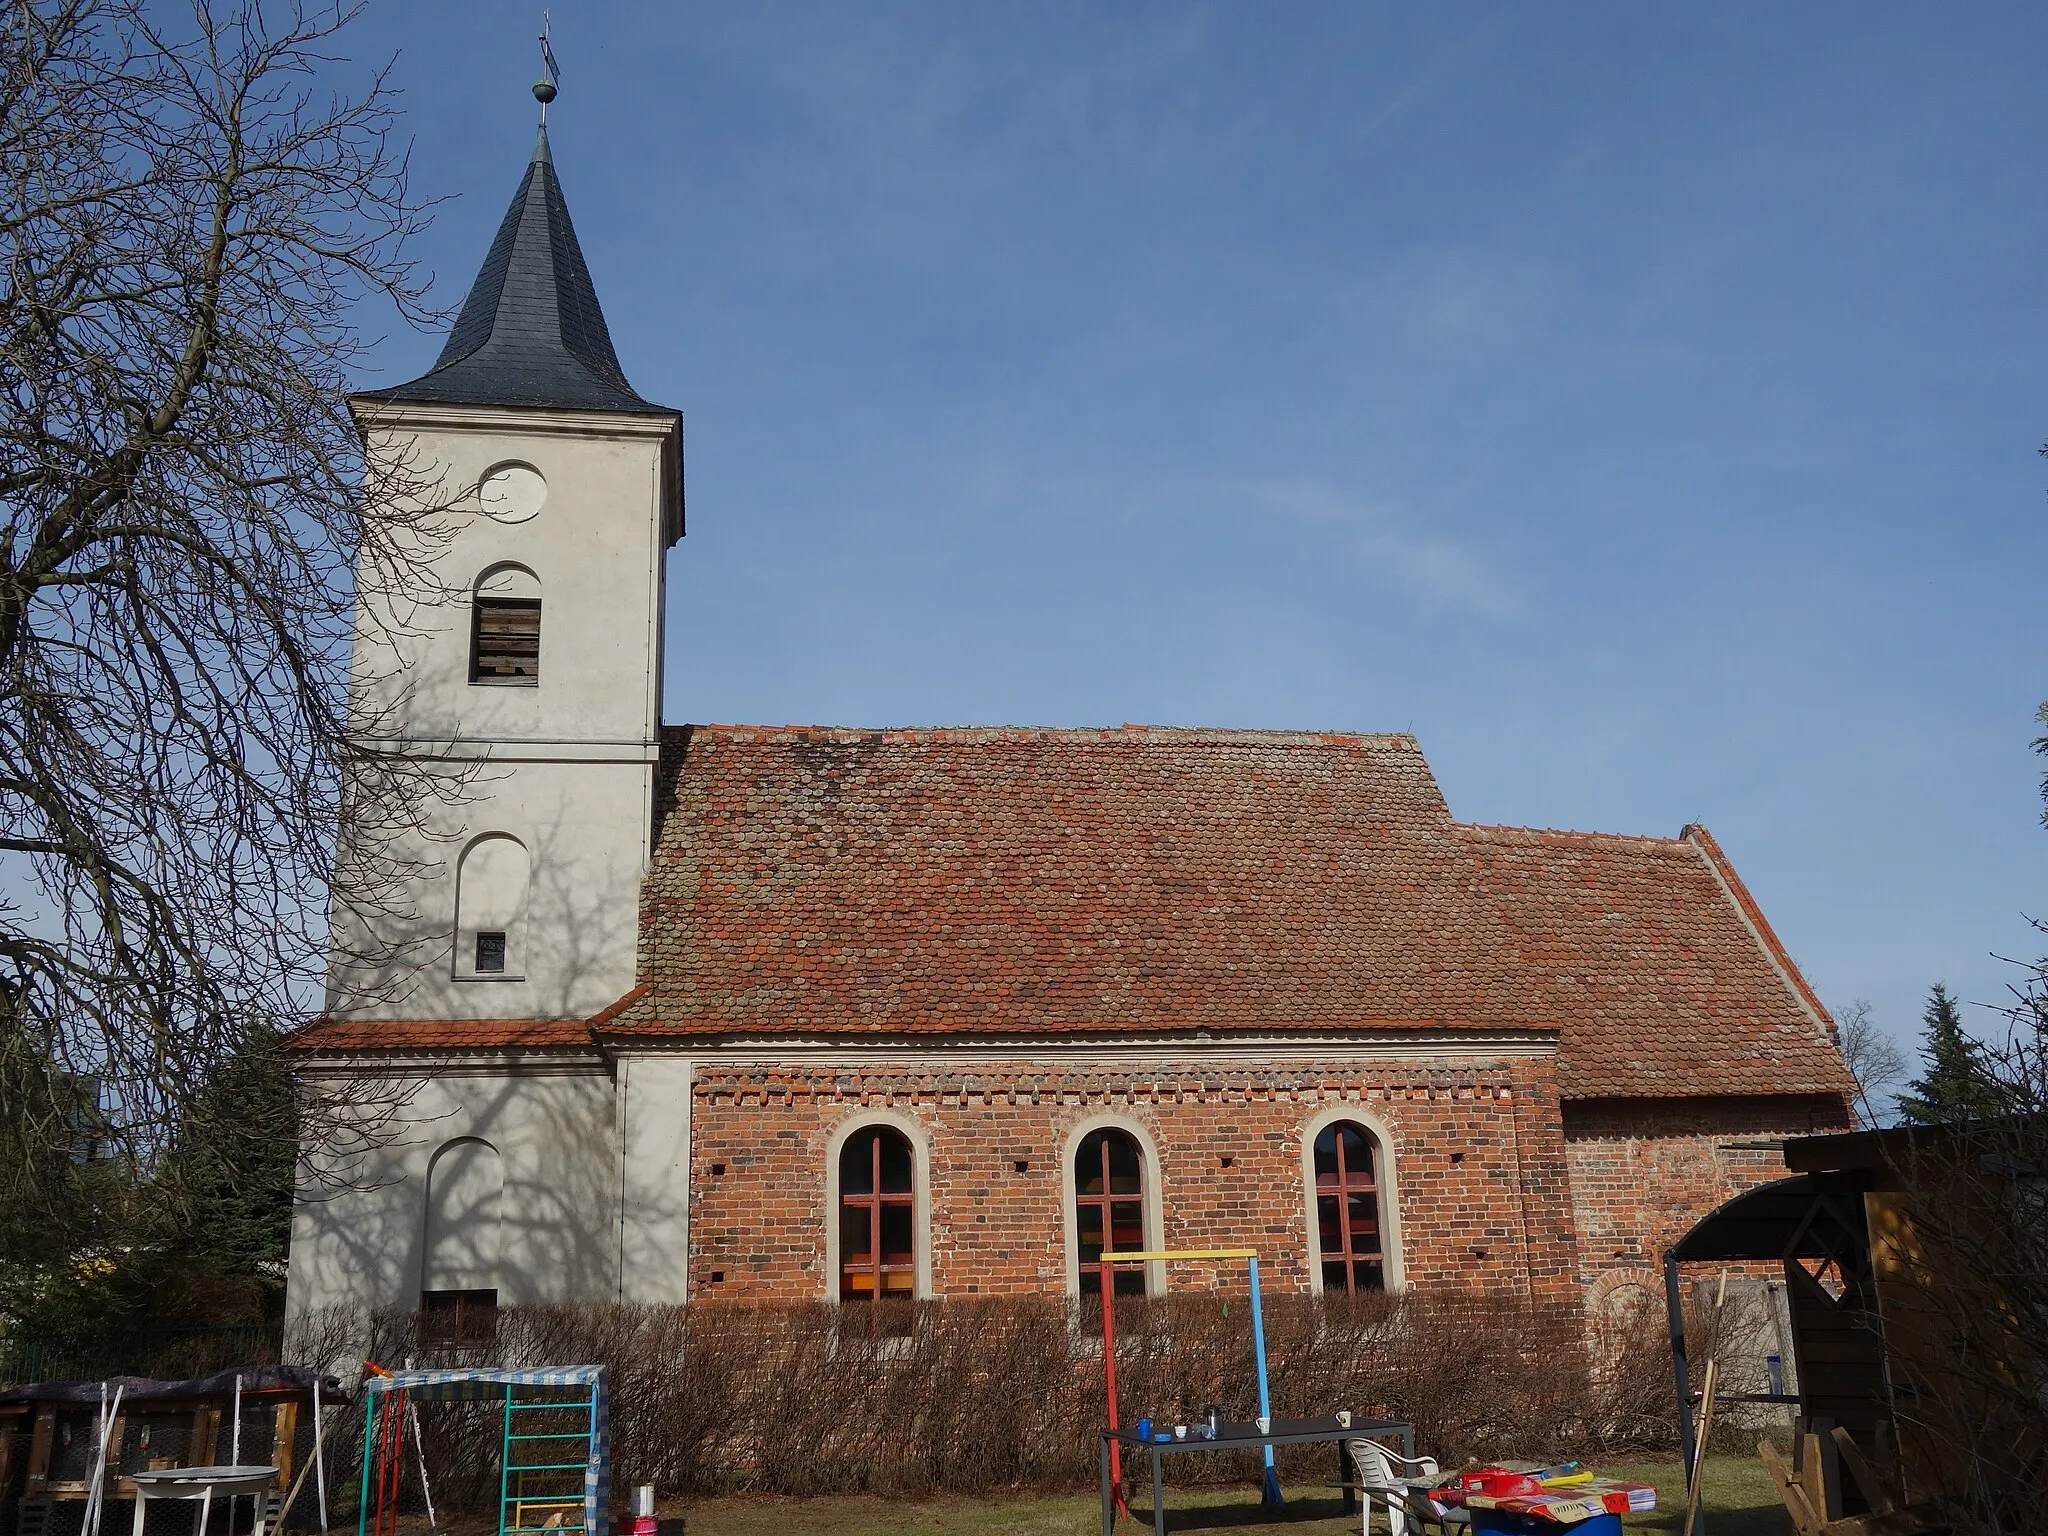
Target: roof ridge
column 1566, row 834
column 1125, row 732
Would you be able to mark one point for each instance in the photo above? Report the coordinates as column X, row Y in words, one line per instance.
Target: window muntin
column 490, row 953
column 877, row 1200
column 1348, row 1209
column 1109, row 1195
column 504, row 640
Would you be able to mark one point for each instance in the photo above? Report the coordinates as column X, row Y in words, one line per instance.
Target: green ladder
column 517, row 1495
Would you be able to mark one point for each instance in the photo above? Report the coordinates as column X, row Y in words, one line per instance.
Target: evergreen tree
column 1954, row 1085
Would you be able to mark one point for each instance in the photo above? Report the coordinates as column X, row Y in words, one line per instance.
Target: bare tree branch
column 1873, row 1057
column 190, row 225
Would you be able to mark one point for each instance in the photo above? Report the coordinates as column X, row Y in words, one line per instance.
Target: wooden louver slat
column 505, row 640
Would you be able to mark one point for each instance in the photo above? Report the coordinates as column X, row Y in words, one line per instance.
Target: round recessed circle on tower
column 512, row 493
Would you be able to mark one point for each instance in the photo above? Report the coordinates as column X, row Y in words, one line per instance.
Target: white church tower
column 536, row 669
column 528, row 672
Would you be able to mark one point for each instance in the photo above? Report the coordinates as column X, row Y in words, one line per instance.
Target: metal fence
column 169, row 1353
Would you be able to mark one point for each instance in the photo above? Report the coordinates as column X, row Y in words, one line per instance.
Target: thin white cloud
column 1437, row 573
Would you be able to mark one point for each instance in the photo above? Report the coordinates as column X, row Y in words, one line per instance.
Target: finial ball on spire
column 544, row 91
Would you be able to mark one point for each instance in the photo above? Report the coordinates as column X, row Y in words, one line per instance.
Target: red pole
column 1116, row 1460
column 389, row 1447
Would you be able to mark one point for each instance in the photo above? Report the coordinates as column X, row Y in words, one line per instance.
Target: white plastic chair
column 1378, row 1478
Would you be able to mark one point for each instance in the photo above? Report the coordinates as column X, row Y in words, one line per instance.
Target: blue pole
column 1271, row 1493
column 369, row 1455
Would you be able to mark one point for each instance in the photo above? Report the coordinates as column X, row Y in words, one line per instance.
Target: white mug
column 1343, row 1418
column 1180, row 1431
column 1265, row 1424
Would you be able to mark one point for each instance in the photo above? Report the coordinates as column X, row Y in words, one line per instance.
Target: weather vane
column 548, row 86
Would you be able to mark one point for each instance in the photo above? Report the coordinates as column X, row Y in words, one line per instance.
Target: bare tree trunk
column 190, row 224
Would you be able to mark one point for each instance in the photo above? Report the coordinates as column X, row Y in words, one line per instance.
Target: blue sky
column 1639, row 404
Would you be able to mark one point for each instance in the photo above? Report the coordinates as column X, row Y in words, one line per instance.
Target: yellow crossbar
column 1120, row 1257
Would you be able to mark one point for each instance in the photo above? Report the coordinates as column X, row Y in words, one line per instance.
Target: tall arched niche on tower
column 464, row 1212
column 490, row 909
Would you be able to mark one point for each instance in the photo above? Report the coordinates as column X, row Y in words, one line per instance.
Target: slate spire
column 530, row 333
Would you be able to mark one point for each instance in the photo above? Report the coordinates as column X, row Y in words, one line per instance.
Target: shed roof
column 1795, row 1218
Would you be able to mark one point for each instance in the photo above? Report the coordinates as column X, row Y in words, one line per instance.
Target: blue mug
column 1144, row 1429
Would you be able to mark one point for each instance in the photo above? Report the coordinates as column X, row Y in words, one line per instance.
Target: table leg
column 141, row 1499
column 1346, row 1476
column 206, row 1509
column 1108, row 1508
column 255, row 1515
column 1158, row 1497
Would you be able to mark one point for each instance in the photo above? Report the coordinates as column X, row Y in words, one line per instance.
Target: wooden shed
column 49, row 1433
column 1883, row 1238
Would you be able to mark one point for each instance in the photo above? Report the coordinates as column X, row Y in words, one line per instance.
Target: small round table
column 202, row 1483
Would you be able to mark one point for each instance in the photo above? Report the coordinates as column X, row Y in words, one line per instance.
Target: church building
column 751, row 1013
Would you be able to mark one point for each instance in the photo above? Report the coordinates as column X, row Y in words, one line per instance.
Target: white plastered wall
column 566, row 767
column 556, row 1240
column 584, row 829
column 654, row 1178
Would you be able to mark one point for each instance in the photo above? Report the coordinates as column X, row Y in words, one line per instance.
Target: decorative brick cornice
column 1042, row 1083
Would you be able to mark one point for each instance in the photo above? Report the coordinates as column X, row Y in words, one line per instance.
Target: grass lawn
column 1740, row 1501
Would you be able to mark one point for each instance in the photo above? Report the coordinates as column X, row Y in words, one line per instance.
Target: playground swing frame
column 388, row 1400
column 1269, row 1492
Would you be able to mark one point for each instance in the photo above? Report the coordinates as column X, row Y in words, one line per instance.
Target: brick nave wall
column 1644, row 1171
column 1477, row 1149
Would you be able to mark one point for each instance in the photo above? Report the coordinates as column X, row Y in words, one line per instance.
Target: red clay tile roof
column 1665, row 975
column 833, row 882
column 821, row 881
column 442, row 1034
column 976, row 880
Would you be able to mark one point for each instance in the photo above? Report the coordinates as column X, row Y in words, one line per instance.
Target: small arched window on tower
column 877, row 1216
column 1109, row 1198
column 1348, row 1225
column 504, row 628
column 490, row 903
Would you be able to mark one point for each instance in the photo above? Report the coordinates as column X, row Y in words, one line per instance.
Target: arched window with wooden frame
column 877, row 1216
column 1109, row 1197
column 1349, row 1230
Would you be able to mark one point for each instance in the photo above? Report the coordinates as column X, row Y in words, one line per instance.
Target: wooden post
column 1699, row 1460
column 1674, row 1312
column 284, row 1429
column 6, row 1451
column 39, row 1452
column 117, row 1440
column 1805, row 1520
column 1850, row 1455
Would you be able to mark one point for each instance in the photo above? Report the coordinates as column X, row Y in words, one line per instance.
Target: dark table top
column 1231, row 1436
